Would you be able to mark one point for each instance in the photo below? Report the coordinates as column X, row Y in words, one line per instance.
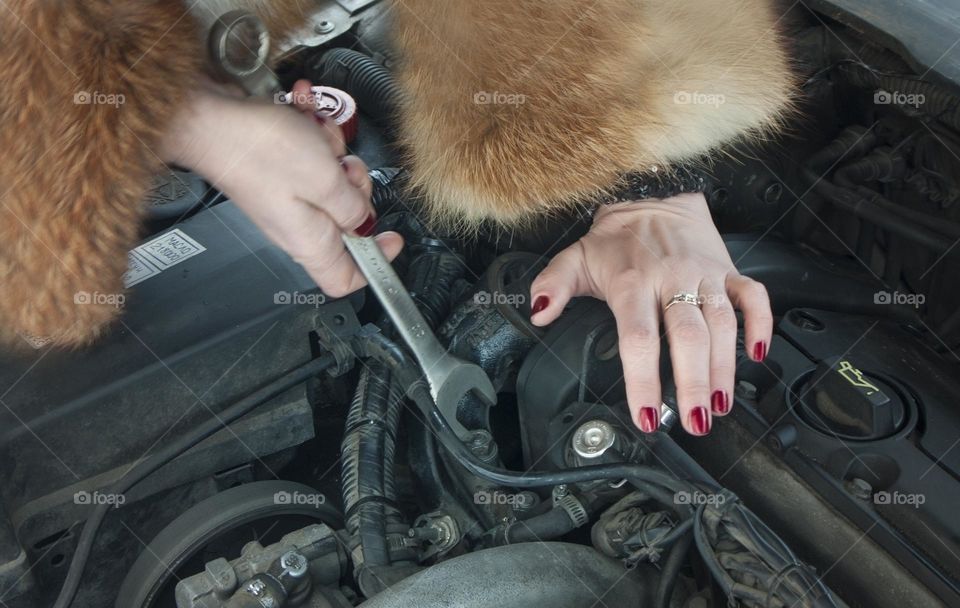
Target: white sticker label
column 138, row 270
column 153, row 257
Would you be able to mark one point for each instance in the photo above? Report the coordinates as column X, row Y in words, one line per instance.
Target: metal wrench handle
column 393, row 295
column 449, row 378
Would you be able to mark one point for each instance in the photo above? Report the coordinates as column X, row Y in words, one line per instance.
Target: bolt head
column 324, row 27
column 256, row 587
column 294, row 563
column 592, row 439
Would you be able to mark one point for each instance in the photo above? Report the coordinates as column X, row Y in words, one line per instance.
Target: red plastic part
column 339, row 106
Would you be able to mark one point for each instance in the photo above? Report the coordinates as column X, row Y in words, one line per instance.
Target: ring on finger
column 685, row 297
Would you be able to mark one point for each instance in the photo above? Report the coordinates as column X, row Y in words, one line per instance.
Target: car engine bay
column 240, row 439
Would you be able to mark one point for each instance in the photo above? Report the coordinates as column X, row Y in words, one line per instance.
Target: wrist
column 690, row 200
column 190, row 139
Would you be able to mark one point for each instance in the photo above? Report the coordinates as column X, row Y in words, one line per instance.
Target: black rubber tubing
column 369, row 83
column 186, row 441
column 658, row 484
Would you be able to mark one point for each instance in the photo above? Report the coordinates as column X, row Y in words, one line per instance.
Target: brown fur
column 72, row 176
column 600, row 81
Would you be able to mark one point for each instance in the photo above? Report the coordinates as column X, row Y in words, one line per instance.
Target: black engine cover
column 194, row 337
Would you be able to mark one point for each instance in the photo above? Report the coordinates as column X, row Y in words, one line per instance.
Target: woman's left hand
column 637, row 257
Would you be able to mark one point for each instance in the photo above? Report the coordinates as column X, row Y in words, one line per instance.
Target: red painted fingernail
column 368, row 227
column 649, row 419
column 719, row 402
column 540, row 304
column 759, row 351
column 699, row 421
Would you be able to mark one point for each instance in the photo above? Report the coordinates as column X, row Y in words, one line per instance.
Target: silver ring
column 684, row 298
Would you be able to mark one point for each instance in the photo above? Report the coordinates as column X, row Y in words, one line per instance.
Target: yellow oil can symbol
column 855, row 377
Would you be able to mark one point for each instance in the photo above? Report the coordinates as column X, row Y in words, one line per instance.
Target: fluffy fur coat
column 512, row 108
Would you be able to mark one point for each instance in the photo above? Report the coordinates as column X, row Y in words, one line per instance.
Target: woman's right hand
column 289, row 173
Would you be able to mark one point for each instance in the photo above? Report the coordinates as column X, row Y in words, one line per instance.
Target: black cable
column 657, row 484
column 670, row 573
column 172, row 450
column 886, row 218
column 547, row 526
column 664, row 484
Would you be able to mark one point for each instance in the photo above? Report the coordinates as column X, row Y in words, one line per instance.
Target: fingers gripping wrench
column 450, row 379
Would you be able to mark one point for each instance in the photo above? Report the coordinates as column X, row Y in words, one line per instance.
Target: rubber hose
column 860, row 206
column 367, row 461
column 658, row 484
column 853, row 142
column 169, row 452
column 547, row 526
column 369, row 83
column 873, row 168
column 670, row 573
column 368, row 447
column 939, row 102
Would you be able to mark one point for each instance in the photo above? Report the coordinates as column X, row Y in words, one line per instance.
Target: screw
column 324, row 27
column 526, row 500
column 559, row 492
column 294, row 564
column 256, row 587
column 483, row 446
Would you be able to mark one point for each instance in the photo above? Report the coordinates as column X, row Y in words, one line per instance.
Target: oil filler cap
column 842, row 400
column 341, row 107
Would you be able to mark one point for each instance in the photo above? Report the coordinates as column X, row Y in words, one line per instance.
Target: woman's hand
column 289, row 173
column 637, row 256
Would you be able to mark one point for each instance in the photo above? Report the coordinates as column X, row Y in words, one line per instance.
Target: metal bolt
column 324, row 27
column 559, row 492
column 483, row 446
column 256, row 587
column 525, row 501
column 294, row 564
column 593, row 439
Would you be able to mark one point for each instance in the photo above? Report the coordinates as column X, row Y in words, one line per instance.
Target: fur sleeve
column 513, row 108
column 88, row 88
